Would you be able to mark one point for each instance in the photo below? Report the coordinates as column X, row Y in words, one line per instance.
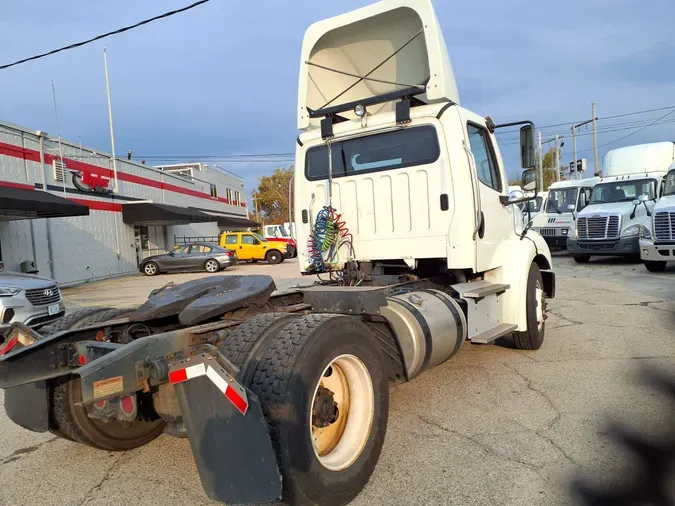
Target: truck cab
column 565, row 200
column 412, row 183
column 657, row 235
column 621, row 202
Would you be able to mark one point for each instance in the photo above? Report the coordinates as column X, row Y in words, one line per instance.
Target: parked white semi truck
column 657, row 236
column 564, row 201
column 403, row 210
column 632, row 180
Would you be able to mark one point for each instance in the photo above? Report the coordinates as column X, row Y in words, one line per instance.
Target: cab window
column 373, row 153
column 231, row 239
column 248, row 239
column 486, row 164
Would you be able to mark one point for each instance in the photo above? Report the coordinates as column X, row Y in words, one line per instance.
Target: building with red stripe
column 177, row 200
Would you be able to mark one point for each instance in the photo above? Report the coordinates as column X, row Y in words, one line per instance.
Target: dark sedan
column 190, row 257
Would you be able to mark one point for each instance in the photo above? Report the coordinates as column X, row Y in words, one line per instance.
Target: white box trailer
column 565, row 199
column 632, row 180
column 657, row 235
column 403, row 208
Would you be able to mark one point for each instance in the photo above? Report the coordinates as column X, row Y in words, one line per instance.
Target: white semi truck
column 632, row 180
column 657, row 236
column 403, row 210
column 564, row 201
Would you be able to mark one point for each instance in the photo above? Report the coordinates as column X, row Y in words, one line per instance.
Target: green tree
column 272, row 195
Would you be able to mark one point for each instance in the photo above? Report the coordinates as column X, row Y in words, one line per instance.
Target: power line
column 633, row 133
column 570, row 123
column 103, row 36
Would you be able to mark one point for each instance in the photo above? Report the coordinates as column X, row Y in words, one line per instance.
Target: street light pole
column 574, row 139
column 541, row 165
column 595, row 141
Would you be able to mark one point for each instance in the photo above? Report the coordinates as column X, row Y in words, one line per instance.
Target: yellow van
column 252, row 247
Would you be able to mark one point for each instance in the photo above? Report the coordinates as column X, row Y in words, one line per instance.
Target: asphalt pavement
column 494, row 425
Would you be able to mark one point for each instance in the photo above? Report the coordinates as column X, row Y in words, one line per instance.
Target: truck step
column 480, row 289
column 494, row 333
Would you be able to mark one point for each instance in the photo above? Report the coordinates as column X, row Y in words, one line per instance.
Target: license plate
column 53, row 309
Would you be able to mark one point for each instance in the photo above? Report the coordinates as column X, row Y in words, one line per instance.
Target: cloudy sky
column 221, row 79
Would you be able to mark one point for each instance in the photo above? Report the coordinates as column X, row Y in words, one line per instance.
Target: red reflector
column 83, row 360
column 10, row 344
column 101, row 404
column 127, row 404
column 235, row 399
column 177, row 376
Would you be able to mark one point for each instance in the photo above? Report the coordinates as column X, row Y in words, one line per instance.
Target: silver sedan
column 190, row 257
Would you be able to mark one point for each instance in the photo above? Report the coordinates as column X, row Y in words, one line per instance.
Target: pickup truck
column 252, row 247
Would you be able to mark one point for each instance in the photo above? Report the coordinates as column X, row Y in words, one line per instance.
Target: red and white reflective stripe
column 180, row 375
column 195, row 371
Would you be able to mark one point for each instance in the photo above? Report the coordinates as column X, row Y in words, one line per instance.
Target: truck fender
column 518, row 254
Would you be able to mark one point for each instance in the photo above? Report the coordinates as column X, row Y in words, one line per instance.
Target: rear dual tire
column 69, row 420
column 291, row 364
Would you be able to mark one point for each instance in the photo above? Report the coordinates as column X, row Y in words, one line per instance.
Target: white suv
column 30, row 299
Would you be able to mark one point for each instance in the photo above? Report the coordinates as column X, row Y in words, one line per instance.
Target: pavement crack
column 89, row 496
column 551, row 424
column 569, row 320
column 485, row 447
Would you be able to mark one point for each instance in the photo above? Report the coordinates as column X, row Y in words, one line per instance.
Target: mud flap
column 28, row 406
column 227, row 432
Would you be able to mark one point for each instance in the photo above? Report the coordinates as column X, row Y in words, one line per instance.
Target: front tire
column 151, row 269
column 533, row 337
column 581, row 259
column 327, row 433
column 655, row 266
column 274, row 257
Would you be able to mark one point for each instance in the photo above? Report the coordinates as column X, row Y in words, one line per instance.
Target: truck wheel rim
column 150, row 269
column 345, row 383
column 539, row 295
column 211, row 266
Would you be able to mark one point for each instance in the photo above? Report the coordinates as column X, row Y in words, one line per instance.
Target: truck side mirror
column 529, row 180
column 643, row 198
column 527, row 159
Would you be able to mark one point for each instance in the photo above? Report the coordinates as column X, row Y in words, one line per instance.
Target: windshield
column 670, row 184
column 558, row 200
column 259, row 237
column 282, row 232
column 623, row 191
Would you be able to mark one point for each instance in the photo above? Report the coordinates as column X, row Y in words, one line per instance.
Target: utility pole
column 110, row 119
column 595, row 142
column 574, row 139
column 541, row 165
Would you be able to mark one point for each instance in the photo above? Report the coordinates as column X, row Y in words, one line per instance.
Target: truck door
column 496, row 220
column 231, row 241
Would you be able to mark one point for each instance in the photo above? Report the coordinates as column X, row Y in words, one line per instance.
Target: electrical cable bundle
column 329, row 233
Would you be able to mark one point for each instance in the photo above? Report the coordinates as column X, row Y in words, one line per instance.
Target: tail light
column 230, row 253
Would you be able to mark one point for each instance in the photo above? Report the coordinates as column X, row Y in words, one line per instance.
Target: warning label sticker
column 108, row 387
